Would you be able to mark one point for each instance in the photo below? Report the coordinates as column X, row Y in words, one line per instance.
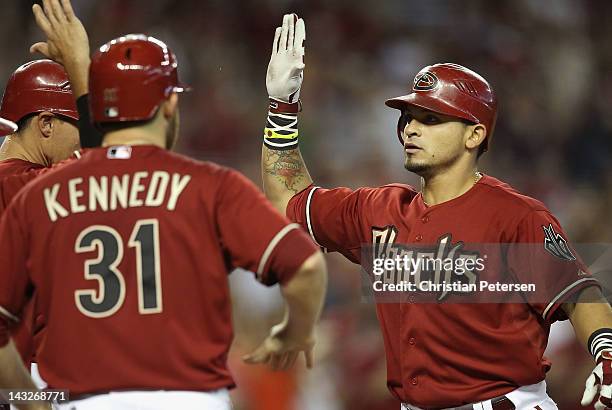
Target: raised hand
column 286, row 67
column 67, row 42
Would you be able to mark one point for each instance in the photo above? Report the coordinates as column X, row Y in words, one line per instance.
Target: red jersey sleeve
column 14, row 279
column 257, row 237
column 541, row 255
column 332, row 217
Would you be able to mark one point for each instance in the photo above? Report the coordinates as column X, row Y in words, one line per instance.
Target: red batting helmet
column 130, row 77
column 7, row 127
column 453, row 90
column 38, row 86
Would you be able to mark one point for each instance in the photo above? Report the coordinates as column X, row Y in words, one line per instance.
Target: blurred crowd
column 549, row 61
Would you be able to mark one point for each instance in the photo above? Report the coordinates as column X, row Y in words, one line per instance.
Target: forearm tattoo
column 287, row 167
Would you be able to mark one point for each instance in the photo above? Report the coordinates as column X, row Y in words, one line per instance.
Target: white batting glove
column 286, row 67
column 599, row 383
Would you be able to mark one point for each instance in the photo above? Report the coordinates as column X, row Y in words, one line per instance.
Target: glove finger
column 296, row 71
column 600, row 406
column 300, row 35
column 291, row 35
column 277, row 34
column 590, row 391
column 284, row 32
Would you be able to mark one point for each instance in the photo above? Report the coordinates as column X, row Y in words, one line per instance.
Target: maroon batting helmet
column 130, row 77
column 38, row 86
column 7, row 127
column 452, row 90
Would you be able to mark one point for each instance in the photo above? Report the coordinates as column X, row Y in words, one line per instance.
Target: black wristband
column 89, row 135
column 599, row 341
column 281, row 132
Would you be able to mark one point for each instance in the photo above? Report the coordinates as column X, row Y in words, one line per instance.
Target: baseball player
column 52, row 86
column 452, row 355
column 38, row 98
column 143, row 240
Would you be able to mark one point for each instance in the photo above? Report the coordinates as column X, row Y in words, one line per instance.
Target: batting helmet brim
column 427, row 102
column 7, row 127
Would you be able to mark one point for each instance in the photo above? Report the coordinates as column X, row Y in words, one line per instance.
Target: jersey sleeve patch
column 556, row 245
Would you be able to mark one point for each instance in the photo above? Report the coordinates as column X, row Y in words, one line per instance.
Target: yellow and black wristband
column 281, row 131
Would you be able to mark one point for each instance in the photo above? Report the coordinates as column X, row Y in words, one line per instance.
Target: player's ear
column 46, row 123
column 476, row 134
column 170, row 106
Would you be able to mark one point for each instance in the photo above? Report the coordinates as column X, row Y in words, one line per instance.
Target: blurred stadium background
column 550, row 62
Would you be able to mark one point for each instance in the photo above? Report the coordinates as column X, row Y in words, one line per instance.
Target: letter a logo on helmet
column 425, row 81
column 130, row 77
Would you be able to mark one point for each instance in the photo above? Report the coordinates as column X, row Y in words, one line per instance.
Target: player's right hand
column 286, row 67
column 281, row 350
column 599, row 384
column 67, row 40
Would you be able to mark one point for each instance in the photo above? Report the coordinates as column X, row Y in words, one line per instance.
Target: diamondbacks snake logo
column 425, row 81
column 556, row 245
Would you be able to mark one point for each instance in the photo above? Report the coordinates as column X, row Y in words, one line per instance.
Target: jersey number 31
column 110, row 295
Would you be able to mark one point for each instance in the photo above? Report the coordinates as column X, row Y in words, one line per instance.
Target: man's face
column 63, row 141
column 432, row 141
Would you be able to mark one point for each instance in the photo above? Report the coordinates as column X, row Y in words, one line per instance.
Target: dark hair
column 116, row 126
column 25, row 121
column 482, row 147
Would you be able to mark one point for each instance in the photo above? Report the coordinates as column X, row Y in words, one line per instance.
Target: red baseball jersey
column 443, row 355
column 14, row 175
column 129, row 249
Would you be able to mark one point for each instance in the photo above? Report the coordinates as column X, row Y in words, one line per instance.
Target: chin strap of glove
column 283, row 81
column 599, row 383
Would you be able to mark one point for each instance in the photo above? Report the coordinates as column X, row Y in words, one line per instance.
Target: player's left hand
column 66, row 35
column 67, row 42
column 286, row 68
column 600, row 383
column 281, row 350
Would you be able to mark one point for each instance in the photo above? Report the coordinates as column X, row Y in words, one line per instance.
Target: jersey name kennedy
column 109, row 193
